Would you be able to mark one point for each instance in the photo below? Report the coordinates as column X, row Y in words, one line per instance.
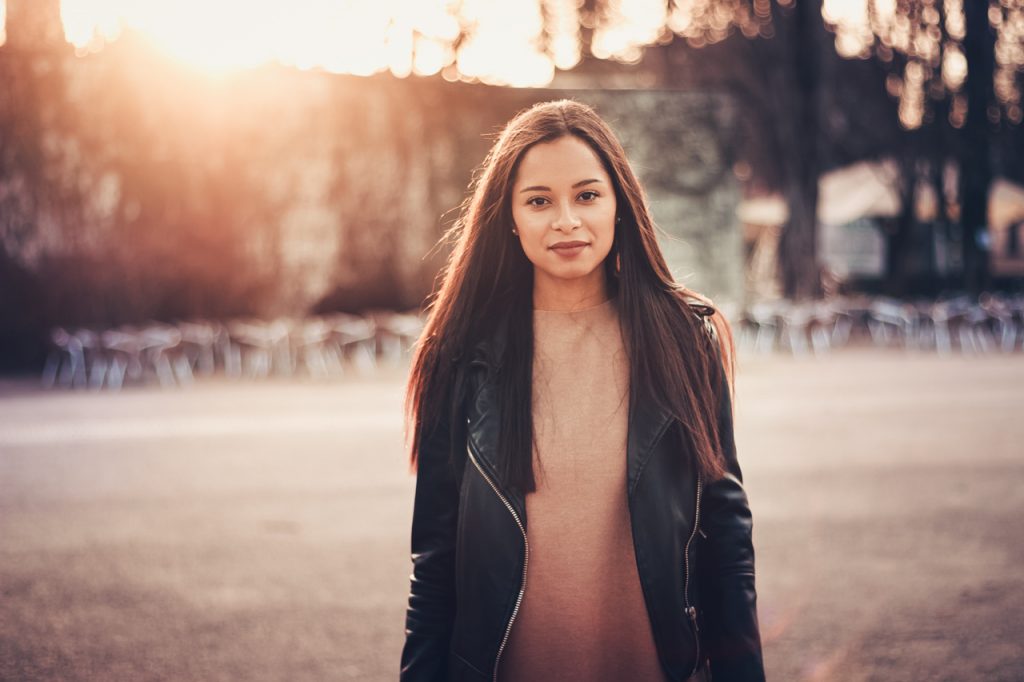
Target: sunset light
column 850, row 17
column 356, row 37
column 523, row 42
column 499, row 42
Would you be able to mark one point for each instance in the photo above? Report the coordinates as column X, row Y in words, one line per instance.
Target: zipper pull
column 691, row 611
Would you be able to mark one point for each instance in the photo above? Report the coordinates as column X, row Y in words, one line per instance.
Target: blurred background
column 220, row 222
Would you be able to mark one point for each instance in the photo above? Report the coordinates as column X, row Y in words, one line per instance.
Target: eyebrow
column 542, row 188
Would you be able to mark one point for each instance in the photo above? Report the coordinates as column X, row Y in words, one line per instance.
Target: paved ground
column 260, row 531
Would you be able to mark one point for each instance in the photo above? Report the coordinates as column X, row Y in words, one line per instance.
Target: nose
column 566, row 220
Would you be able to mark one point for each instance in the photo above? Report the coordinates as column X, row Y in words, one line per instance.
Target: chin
column 574, row 270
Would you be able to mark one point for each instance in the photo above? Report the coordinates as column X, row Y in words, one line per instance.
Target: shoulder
column 717, row 334
column 700, row 305
column 703, row 310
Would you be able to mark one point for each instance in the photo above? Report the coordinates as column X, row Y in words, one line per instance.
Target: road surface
column 259, row 531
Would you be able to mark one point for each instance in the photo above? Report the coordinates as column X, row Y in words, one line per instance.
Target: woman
column 579, row 511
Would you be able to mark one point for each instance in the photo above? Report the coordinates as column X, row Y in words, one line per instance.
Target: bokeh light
column 522, row 43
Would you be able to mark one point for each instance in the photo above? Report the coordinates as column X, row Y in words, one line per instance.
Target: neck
column 572, row 294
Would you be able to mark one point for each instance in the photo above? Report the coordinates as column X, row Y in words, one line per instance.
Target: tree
column 773, row 67
column 976, row 162
column 949, row 60
column 956, row 64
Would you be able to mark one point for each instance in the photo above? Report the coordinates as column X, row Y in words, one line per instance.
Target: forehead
column 565, row 160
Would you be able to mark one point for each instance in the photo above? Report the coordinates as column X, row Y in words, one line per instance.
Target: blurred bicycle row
column 175, row 354
column 336, row 345
column 990, row 323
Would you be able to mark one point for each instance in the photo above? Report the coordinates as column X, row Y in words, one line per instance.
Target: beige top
column 583, row 615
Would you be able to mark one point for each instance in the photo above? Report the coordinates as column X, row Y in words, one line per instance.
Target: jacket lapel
column 483, row 433
column 647, row 424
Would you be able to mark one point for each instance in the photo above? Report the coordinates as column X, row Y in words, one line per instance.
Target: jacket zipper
column 691, row 611
column 526, row 557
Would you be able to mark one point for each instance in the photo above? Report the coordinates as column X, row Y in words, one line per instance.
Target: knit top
column 583, row 615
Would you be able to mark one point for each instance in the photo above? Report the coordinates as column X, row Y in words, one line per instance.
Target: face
column 563, row 206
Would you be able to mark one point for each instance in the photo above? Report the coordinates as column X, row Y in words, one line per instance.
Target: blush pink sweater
column 583, row 615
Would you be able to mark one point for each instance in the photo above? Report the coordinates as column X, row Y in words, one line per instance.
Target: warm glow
column 931, row 38
column 3, row 22
column 633, row 25
column 501, row 47
column 850, row 19
column 344, row 36
column 954, row 67
column 514, row 42
column 565, row 34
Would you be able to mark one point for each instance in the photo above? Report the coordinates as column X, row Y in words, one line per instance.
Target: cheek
column 533, row 243
column 606, row 232
column 530, row 228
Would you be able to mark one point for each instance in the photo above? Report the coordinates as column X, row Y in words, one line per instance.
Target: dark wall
column 132, row 188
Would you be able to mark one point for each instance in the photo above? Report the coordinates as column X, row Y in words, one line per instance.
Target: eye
column 532, row 201
column 589, row 195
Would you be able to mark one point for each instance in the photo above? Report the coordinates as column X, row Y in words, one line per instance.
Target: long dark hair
column 487, row 285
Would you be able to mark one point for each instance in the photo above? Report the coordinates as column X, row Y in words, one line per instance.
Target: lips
column 569, row 250
column 568, row 245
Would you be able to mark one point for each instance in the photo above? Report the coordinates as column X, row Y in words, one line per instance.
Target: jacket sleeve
column 431, row 610
column 731, row 635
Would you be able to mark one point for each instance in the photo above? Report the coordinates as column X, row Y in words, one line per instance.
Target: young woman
column 579, row 511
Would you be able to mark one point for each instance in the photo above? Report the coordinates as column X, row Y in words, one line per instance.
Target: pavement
column 259, row 531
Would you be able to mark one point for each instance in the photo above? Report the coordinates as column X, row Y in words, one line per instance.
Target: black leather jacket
column 692, row 542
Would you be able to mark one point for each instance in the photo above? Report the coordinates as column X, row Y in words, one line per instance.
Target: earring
column 515, row 232
column 618, row 219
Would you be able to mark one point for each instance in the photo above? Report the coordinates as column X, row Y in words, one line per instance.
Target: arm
column 729, row 599
column 431, row 610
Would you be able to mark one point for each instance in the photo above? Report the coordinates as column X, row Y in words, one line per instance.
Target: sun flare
column 360, row 37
